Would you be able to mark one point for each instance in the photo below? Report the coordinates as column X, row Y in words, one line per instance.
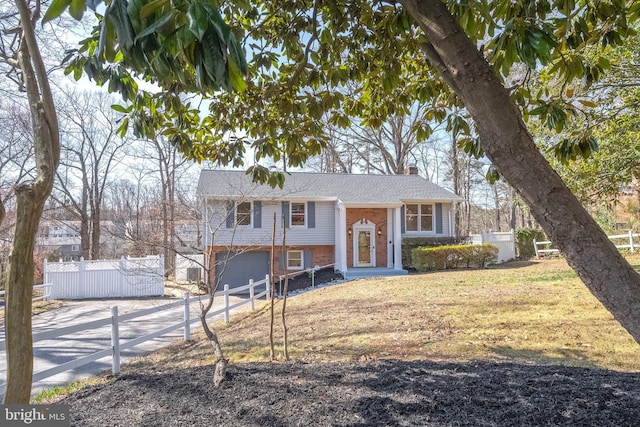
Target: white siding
column 322, row 234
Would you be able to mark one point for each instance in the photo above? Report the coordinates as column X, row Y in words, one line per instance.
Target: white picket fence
column 126, row 277
column 504, row 240
column 546, row 246
column 116, row 320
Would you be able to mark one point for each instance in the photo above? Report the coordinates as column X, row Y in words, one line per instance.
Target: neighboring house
column 59, row 236
column 356, row 222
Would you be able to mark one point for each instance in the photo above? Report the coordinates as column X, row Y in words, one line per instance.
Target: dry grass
column 529, row 312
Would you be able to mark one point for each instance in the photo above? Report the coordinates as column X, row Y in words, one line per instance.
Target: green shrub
column 410, row 243
column 524, row 241
column 444, row 257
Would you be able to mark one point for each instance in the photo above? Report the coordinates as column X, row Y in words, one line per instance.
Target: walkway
column 54, row 352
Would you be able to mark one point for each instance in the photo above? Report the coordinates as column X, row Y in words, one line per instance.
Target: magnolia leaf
column 77, row 8
column 198, row 22
column 55, row 10
column 235, row 76
column 120, row 19
column 150, row 8
column 121, row 109
column 587, row 103
column 154, row 27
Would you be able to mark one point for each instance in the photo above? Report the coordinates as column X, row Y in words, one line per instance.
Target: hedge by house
column 443, row 257
column 410, row 243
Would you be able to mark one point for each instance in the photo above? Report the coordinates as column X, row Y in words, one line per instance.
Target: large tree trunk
column 30, row 202
column 511, row 148
column 20, row 295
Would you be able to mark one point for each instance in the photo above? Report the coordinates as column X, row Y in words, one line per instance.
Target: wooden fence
column 546, row 246
column 115, row 320
column 126, row 277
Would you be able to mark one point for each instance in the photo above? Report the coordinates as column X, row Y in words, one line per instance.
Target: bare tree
column 91, row 149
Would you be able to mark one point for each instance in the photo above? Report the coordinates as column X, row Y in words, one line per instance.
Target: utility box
column 194, row 274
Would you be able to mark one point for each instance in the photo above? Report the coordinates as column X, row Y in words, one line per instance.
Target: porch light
column 379, row 232
column 349, row 232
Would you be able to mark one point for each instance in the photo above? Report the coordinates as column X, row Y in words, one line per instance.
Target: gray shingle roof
column 349, row 188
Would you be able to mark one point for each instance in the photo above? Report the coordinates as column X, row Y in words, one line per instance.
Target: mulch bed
column 369, row 393
column 303, row 280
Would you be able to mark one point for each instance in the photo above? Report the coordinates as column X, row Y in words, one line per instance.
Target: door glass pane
column 364, row 247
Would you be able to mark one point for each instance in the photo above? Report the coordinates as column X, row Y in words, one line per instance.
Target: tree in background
column 91, row 149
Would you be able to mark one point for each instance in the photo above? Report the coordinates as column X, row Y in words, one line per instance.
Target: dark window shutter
column 285, row 212
column 402, row 219
column 311, row 214
column 308, row 259
column 257, row 214
column 283, row 260
column 438, row 218
column 230, row 213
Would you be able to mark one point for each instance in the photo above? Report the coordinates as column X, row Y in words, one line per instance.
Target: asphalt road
column 50, row 353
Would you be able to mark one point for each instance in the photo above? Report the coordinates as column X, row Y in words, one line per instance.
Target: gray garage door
column 241, row 267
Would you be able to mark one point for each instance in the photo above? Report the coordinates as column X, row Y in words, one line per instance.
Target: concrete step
column 358, row 273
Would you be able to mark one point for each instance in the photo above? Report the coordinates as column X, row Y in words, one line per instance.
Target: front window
column 295, row 260
column 419, row 218
column 298, row 214
column 243, row 213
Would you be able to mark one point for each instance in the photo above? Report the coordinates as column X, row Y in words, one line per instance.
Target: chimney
column 411, row 170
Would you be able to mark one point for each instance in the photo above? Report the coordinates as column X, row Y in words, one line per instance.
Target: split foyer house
column 354, row 222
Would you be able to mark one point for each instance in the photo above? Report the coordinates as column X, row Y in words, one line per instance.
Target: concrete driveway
column 50, row 353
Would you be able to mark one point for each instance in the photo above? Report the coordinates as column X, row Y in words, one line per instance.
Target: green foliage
column 447, row 257
column 612, row 123
column 182, row 45
column 605, row 218
column 524, row 241
column 410, row 243
column 357, row 60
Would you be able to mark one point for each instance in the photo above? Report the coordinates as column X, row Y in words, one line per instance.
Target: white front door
column 364, row 249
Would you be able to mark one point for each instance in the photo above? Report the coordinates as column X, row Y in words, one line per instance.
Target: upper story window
column 298, row 214
column 419, row 217
column 243, row 213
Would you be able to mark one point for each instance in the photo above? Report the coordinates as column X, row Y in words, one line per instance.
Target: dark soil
column 303, row 281
column 373, row 393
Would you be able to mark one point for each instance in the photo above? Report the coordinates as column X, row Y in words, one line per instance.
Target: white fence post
column 187, row 322
column 631, row 241
column 535, row 247
column 115, row 341
column 251, row 295
column 267, row 281
column 81, row 278
column 45, row 273
column 226, row 303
